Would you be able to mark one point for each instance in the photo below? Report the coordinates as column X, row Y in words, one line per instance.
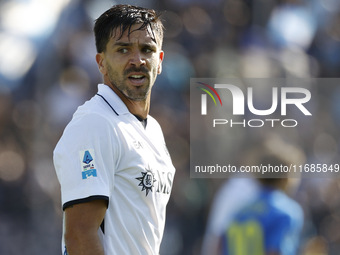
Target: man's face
column 132, row 63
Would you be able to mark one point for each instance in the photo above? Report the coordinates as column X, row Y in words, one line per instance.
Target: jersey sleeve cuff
column 84, row 200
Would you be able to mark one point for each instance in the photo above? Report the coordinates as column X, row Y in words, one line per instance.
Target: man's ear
column 161, row 57
column 101, row 63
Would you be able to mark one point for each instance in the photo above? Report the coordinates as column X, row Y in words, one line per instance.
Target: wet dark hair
column 124, row 17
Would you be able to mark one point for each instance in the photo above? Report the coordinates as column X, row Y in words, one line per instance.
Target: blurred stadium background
column 47, row 69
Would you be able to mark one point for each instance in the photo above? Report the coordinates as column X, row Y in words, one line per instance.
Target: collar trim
column 112, row 99
column 108, row 103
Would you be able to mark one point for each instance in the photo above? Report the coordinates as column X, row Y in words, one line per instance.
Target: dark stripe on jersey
column 84, row 200
column 108, row 103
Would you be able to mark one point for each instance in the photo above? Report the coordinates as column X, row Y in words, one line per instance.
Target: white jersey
column 106, row 153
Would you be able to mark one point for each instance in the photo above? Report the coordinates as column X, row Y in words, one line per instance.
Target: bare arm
column 82, row 222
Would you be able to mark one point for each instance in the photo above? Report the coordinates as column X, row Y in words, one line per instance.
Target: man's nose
column 137, row 58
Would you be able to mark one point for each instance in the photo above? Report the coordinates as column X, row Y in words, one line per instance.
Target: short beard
column 138, row 94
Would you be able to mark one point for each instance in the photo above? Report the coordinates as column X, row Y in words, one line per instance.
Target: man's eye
column 148, row 50
column 123, row 50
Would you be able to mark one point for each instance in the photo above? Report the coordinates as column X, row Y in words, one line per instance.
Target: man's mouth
column 137, row 79
column 136, row 76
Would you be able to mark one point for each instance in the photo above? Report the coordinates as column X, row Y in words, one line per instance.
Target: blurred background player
column 231, row 197
column 269, row 225
column 256, row 215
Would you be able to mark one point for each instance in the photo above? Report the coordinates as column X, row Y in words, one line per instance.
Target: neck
column 139, row 108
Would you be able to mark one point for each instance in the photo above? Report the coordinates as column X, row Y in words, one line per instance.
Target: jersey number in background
column 245, row 238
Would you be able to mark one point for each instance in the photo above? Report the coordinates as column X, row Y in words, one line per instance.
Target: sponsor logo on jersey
column 164, row 180
column 162, row 183
column 146, row 181
column 88, row 168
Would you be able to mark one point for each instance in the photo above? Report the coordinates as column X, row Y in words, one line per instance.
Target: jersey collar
column 113, row 99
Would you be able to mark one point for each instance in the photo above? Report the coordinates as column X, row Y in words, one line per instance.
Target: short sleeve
column 84, row 159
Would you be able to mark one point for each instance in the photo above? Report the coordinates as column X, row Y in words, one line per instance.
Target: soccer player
column 112, row 163
column 234, row 194
column 269, row 225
